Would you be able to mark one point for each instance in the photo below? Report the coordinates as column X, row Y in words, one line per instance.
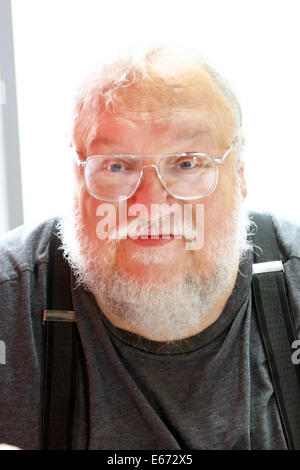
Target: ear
column 240, row 165
column 242, row 180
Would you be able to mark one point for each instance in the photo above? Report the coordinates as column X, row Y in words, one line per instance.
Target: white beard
column 170, row 312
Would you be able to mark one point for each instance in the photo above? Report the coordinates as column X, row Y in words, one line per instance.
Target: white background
column 253, row 43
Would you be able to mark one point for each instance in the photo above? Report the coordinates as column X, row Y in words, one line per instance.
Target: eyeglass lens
column 183, row 176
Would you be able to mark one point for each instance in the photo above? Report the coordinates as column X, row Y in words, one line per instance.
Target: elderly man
column 172, row 355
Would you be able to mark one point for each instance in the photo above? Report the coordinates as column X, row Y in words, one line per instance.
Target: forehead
column 193, row 108
column 174, row 126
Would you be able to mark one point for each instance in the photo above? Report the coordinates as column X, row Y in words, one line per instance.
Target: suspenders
column 61, row 354
column 62, row 342
column 276, row 325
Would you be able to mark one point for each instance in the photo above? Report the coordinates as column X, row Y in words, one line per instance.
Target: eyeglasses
column 185, row 176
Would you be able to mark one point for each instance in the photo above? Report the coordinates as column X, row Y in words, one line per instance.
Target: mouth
column 159, row 240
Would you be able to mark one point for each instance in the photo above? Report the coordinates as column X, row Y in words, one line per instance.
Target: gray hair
column 165, row 63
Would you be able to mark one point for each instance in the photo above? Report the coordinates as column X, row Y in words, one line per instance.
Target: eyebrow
column 103, row 140
column 192, row 134
column 185, row 135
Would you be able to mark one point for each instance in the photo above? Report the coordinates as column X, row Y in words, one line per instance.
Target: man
column 173, row 357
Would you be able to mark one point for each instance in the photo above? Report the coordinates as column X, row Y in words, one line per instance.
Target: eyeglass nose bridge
column 160, row 177
column 153, row 165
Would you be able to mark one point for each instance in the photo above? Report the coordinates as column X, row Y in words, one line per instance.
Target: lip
column 145, row 242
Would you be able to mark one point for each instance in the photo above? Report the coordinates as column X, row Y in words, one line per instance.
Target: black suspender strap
column 61, row 348
column 277, row 329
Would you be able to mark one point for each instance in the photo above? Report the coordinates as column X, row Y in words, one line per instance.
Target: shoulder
column 23, row 248
column 288, row 236
column 287, row 233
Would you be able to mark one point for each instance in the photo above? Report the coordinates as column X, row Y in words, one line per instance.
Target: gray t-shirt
column 210, row 391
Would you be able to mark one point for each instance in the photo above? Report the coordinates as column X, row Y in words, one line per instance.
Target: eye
column 187, row 164
column 115, row 167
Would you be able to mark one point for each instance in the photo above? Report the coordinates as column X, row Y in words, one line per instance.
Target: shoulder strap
column 61, row 349
column 277, row 329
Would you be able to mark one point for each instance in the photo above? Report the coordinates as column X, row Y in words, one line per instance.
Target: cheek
column 99, row 217
column 228, row 188
column 88, row 208
column 218, row 207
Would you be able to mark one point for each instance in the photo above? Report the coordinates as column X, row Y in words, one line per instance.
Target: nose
column 150, row 190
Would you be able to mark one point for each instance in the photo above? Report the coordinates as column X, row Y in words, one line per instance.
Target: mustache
column 164, row 226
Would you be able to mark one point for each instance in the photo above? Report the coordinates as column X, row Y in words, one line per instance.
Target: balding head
column 159, row 79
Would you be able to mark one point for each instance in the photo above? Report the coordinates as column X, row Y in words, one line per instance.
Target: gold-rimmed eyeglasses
column 187, row 176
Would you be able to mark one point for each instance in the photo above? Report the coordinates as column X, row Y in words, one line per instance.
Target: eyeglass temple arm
column 78, row 161
column 235, row 140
